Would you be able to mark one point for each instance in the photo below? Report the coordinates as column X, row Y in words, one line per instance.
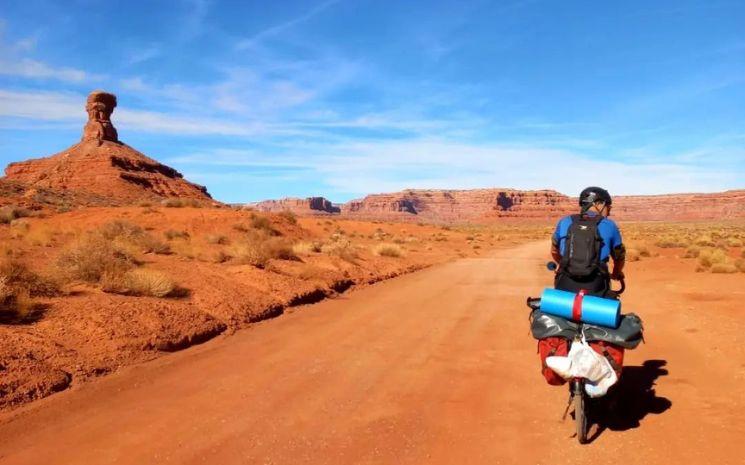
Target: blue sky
column 343, row 98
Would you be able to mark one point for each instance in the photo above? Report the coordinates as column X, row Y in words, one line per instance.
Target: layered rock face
column 484, row 205
column 307, row 206
column 461, row 205
column 103, row 166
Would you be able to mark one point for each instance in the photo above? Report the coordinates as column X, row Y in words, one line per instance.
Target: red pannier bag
column 548, row 347
column 559, row 346
column 612, row 352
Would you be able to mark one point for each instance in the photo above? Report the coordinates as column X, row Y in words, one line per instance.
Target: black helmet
column 593, row 194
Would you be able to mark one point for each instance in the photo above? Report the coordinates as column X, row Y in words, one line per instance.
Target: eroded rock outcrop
column 479, row 205
column 102, row 165
column 306, row 206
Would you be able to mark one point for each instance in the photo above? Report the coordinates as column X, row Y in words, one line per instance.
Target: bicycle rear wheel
column 580, row 411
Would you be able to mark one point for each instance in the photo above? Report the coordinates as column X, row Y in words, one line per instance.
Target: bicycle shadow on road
column 634, row 398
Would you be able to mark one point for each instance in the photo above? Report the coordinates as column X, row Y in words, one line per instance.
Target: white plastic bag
column 583, row 362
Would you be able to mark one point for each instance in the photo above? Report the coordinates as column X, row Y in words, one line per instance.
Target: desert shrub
column 704, row 241
column 132, row 237
column 733, row 242
column 241, row 227
column 139, row 282
column 387, row 250
column 643, row 250
column 306, row 248
column 261, row 223
column 723, row 268
column 692, row 252
column 16, row 275
column 220, row 257
column 709, row 257
column 740, row 264
column 176, row 202
column 671, row 241
column 9, row 213
column 343, row 249
column 289, row 216
column 632, row 255
column 14, row 302
column 172, row 234
column 93, row 256
column 19, row 228
column 121, row 229
column 217, row 239
column 258, row 251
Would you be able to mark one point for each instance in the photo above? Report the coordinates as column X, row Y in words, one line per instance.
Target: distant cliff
column 451, row 206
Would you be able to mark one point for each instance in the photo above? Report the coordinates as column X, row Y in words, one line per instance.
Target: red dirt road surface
column 436, row 367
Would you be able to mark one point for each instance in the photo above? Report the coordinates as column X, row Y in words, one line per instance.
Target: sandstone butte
column 493, row 204
column 102, row 167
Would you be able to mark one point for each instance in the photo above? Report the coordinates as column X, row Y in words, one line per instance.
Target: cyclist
column 582, row 245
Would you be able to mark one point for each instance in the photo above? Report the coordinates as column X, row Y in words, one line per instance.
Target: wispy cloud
column 65, row 107
column 281, row 27
column 143, row 54
column 29, row 68
column 357, row 168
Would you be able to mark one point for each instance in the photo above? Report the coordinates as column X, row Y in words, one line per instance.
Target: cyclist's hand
column 617, row 275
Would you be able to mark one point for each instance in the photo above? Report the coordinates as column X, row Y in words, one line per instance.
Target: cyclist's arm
column 555, row 248
column 555, row 252
column 618, row 254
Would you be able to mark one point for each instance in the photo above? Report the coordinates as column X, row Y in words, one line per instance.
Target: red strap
column 577, row 307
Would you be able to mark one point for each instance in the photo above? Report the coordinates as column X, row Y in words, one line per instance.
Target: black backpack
column 581, row 257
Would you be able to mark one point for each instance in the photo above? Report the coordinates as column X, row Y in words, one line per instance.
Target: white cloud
column 45, row 106
column 58, row 106
column 29, row 68
column 143, row 54
column 359, row 168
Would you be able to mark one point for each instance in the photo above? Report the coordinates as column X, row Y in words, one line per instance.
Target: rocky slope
column 448, row 206
column 103, row 166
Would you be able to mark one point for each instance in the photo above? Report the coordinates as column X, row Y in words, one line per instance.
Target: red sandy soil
column 87, row 332
column 434, row 367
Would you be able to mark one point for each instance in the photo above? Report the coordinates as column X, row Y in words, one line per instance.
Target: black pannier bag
column 628, row 334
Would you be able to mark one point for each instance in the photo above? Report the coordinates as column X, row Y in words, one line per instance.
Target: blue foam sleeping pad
column 595, row 310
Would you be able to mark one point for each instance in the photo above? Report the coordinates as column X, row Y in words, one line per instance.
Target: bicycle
column 577, row 393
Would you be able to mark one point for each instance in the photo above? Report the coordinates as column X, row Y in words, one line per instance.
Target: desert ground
column 434, row 366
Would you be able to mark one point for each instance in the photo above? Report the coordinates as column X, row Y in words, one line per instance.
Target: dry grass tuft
column 219, row 239
column 140, row 282
column 632, row 255
column 692, row 252
column 176, row 202
column 9, row 213
column 343, row 249
column 723, row 268
column 172, row 234
column 387, row 250
column 257, row 251
column 92, row 257
column 307, row 248
column 710, row 257
column 289, row 216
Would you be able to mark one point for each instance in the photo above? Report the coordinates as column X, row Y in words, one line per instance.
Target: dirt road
column 434, row 367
